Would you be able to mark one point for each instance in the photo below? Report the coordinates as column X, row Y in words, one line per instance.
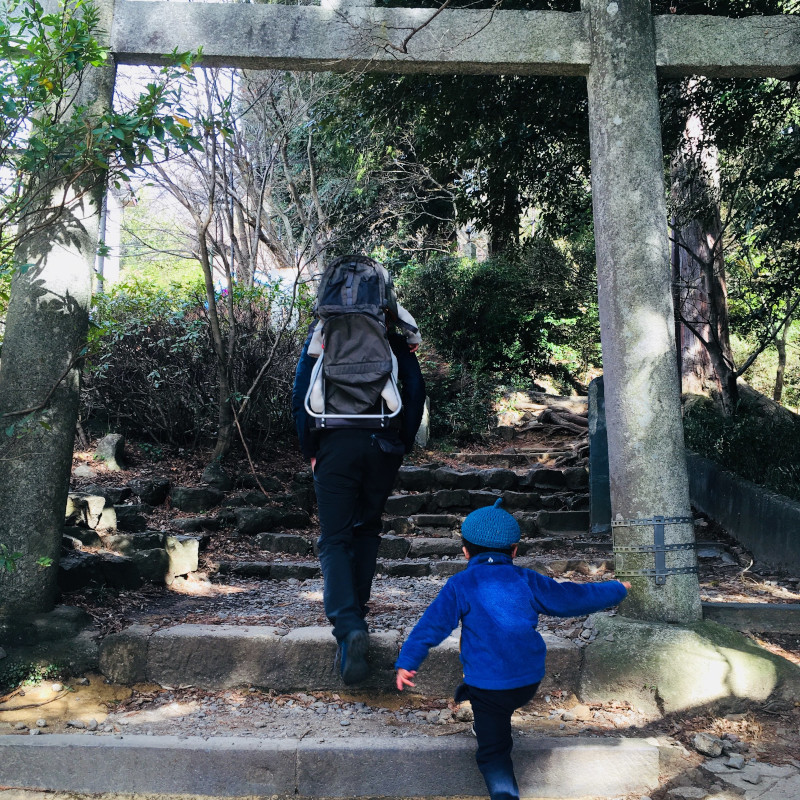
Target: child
column 498, row 606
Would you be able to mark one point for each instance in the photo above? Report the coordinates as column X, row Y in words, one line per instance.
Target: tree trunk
column 780, row 343
column 703, row 341
column 45, row 335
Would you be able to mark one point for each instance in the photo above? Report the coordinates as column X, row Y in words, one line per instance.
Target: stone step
column 227, row 656
column 432, row 478
column 378, row 766
column 521, row 458
column 441, row 564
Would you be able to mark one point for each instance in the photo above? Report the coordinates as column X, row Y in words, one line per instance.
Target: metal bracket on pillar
column 659, row 549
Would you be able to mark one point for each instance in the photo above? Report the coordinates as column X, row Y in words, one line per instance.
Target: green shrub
column 461, row 401
column 760, row 449
column 511, row 317
column 151, row 372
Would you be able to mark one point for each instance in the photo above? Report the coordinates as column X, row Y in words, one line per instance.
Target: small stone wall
column 767, row 524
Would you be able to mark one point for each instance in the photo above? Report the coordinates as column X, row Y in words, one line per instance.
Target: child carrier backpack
column 354, row 381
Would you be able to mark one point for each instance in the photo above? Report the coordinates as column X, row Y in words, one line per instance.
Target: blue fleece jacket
column 498, row 605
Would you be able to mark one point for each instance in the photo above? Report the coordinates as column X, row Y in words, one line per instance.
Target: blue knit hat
column 491, row 527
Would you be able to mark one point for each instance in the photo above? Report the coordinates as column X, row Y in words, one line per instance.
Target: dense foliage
column 737, row 444
column 151, row 372
column 502, row 315
column 498, row 322
column 50, row 141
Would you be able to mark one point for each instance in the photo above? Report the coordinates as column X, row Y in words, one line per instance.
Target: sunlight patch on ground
column 393, row 591
column 71, row 701
column 198, row 588
column 162, row 713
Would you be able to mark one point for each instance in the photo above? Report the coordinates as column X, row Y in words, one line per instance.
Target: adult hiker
column 357, row 401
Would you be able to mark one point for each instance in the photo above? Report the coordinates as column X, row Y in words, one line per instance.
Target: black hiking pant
column 353, row 477
column 492, row 710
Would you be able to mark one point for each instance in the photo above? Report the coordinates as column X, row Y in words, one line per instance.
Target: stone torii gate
column 620, row 47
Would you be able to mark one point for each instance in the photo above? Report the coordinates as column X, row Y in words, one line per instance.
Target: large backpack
column 355, row 374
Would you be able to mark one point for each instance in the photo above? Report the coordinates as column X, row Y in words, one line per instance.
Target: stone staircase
column 255, row 535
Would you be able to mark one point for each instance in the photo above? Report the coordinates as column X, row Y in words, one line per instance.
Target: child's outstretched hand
column 404, row 677
column 626, row 584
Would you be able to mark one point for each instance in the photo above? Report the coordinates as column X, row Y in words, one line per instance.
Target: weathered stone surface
column 451, row 498
column 394, row 547
column 152, row 565
column 267, row 482
column 111, row 450
column 283, row 543
column 75, row 571
column 133, row 518
column 406, row 504
column 647, row 459
column 449, row 478
column 85, row 536
column 246, row 569
column 415, row 479
column 520, row 500
column 707, row 744
column 78, row 570
column 756, row 780
column 404, row 570
column 216, row 656
column 424, row 548
column 294, row 570
column 303, row 497
column 499, row 478
column 580, row 502
column 195, row 499
column 774, row 617
column 401, row 526
column 564, row 522
column 129, row 543
column 151, row 765
column 554, row 502
column 84, row 509
column 576, row 478
column 448, row 521
column 482, row 499
column 70, row 542
column 545, row 478
column 263, row 520
column 528, row 525
column 62, row 623
column 448, row 568
column 195, row 524
column 293, row 518
column 316, row 38
column 216, row 476
column 182, row 554
column 152, row 491
column 656, row 667
column 113, row 494
column 108, row 519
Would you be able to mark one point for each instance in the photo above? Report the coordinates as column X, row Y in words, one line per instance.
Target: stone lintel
column 460, row 41
column 356, row 38
column 767, row 47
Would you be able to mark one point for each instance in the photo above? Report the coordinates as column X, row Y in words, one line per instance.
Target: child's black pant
column 492, row 710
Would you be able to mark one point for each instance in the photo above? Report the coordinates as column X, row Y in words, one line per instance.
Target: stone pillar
column 645, row 433
column 46, row 331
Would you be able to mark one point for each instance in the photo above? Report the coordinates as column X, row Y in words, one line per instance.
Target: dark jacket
column 498, row 605
column 412, row 391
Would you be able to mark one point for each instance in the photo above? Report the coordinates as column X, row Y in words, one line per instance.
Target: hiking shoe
column 353, row 657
